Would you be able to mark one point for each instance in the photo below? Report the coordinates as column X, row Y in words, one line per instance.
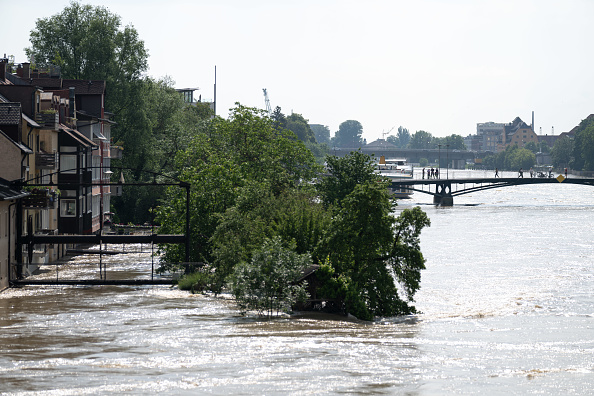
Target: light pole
column 439, row 161
column 447, row 162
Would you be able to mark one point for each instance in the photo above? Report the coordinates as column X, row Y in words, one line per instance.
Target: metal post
column 447, row 162
column 439, row 161
column 187, row 186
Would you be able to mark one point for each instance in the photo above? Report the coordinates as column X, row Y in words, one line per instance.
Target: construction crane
column 268, row 108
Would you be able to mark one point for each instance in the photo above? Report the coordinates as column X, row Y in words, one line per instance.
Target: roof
column 79, row 137
column 10, row 113
column 47, row 83
column 31, row 122
column 8, row 193
column 381, row 143
column 85, row 87
column 23, row 147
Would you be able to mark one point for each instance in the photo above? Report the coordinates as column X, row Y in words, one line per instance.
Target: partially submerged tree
column 268, row 282
column 371, row 252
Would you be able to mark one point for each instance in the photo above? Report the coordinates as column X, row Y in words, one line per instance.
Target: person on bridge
column 423, row 173
column 521, row 173
column 437, row 173
column 531, row 172
column 566, row 173
column 496, row 172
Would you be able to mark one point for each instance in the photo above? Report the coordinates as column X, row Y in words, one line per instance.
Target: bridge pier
column 443, row 194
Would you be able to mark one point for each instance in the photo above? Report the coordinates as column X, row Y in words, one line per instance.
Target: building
column 518, row 133
column 490, row 136
column 55, row 144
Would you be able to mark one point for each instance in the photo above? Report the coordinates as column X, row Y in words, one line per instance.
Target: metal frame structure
column 31, row 239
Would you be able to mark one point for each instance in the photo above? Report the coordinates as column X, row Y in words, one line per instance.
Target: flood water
column 507, row 304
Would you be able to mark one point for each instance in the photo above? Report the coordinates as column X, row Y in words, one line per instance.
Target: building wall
column 523, row 136
column 10, row 160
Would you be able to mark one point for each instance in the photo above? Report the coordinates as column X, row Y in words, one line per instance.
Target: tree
column 299, row 126
column 244, row 149
column 532, row 147
column 561, row 154
column 368, row 250
column 322, row 133
column 349, row 134
column 583, row 158
column 403, row 136
column 88, row 42
column 345, row 173
column 267, row 283
column 420, row 140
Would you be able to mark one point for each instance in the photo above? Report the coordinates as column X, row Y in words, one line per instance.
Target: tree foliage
column 267, row 283
column 349, row 134
column 369, row 251
column 420, row 140
column 321, row 132
column 583, row 151
column 220, row 164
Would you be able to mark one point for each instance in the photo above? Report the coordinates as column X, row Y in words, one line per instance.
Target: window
column 68, row 207
column 68, row 163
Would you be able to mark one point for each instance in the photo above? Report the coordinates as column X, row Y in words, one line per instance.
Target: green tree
column 267, row 284
column 245, row 148
column 532, row 147
column 294, row 216
column 582, row 148
column 299, row 126
column 349, row 134
column 368, row 250
column 587, row 139
column 321, row 132
column 521, row 158
column 561, row 154
column 420, row 140
column 345, row 173
column 403, row 136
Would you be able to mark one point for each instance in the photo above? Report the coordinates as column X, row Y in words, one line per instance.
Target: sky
column 438, row 66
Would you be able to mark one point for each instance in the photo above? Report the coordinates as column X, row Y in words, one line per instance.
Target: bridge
column 444, row 190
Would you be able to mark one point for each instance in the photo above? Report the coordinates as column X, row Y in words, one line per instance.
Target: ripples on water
column 506, row 299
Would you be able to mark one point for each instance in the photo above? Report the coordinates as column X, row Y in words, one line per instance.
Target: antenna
column 267, row 101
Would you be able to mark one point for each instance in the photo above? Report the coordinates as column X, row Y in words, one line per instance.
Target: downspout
column 9, row 245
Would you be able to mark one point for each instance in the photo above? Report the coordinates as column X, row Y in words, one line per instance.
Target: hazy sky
column 438, row 66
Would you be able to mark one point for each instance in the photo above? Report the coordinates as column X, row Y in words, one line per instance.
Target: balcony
column 48, row 120
column 41, row 198
column 116, row 152
column 46, row 160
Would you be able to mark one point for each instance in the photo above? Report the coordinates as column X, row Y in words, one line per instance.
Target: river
column 507, row 304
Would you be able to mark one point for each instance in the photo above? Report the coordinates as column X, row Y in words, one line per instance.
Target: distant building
column 490, row 136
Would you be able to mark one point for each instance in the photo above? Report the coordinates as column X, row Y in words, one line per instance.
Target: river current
column 507, row 304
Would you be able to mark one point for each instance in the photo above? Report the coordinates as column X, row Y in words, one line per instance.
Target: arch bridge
column 444, row 190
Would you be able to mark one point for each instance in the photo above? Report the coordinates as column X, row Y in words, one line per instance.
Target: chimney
column 3, row 63
column 26, row 70
column 71, row 102
column 532, row 126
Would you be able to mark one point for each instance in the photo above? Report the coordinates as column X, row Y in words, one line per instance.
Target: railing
column 48, row 120
column 115, row 152
column 46, row 160
column 41, row 198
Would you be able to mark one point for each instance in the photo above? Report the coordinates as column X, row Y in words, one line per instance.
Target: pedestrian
column 521, row 173
column 437, row 173
column 566, row 173
column 423, row 173
column 496, row 172
column 531, row 172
